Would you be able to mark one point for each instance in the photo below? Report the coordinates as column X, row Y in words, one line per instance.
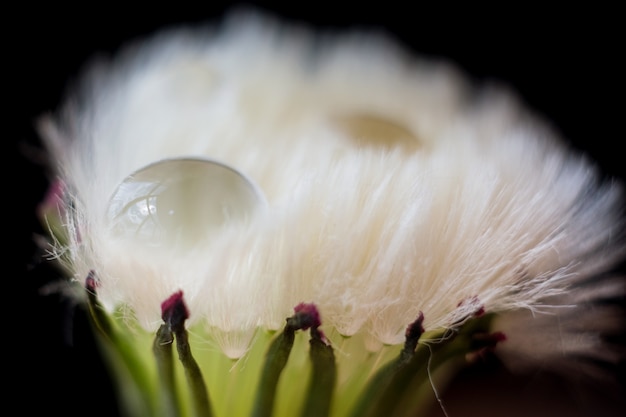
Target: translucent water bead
column 178, row 203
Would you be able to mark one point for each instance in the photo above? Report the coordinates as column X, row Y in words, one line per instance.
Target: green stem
column 134, row 387
column 162, row 349
column 372, row 402
column 323, row 378
column 404, row 386
column 275, row 361
column 195, row 381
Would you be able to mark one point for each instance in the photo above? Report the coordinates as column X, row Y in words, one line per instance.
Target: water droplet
column 181, row 202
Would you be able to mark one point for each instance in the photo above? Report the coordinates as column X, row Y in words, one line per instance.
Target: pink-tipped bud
column 173, row 310
column 474, row 301
column 307, row 315
column 53, row 200
column 415, row 329
column 484, row 344
column 498, row 337
column 91, row 282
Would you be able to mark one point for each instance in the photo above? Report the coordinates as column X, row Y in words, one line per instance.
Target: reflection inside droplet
column 181, row 202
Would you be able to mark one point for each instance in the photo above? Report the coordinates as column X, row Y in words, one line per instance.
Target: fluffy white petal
column 392, row 186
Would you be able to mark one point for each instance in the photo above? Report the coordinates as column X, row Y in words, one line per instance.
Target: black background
column 565, row 64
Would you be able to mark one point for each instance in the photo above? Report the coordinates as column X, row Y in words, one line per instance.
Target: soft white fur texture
column 485, row 203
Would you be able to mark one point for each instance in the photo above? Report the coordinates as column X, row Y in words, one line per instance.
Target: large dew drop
column 179, row 203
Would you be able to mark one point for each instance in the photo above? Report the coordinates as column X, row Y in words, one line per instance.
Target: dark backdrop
column 564, row 64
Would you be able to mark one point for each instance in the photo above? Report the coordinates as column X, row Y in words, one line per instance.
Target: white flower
column 257, row 166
